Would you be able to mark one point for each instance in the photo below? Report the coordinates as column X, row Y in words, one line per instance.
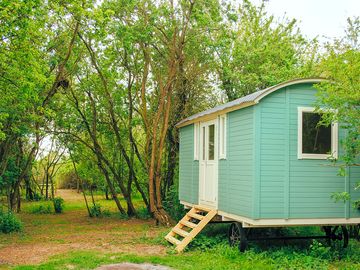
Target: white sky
column 322, row 18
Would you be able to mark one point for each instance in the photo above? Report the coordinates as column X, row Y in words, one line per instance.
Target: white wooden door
column 208, row 175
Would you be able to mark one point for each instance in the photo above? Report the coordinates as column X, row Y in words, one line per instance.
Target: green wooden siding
column 272, row 155
column 236, row 172
column 354, row 179
column 188, row 167
column 262, row 176
column 289, row 187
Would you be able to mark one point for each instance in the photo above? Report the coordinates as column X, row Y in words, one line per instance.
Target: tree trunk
column 172, row 150
column 52, row 188
column 92, row 195
column 114, row 125
column 97, row 149
column 80, row 183
column 28, row 190
column 112, row 189
column 47, row 186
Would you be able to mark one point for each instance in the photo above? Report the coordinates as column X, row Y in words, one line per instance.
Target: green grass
column 208, row 251
column 220, row 257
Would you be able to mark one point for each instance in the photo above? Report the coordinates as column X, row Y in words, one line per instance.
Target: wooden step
column 202, row 208
column 195, row 228
column 188, row 224
column 196, row 216
column 173, row 240
column 180, row 232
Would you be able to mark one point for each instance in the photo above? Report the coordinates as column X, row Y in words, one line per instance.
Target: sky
column 316, row 18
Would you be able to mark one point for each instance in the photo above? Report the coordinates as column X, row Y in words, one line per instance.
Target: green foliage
column 340, row 196
column 319, row 250
column 42, row 209
column 356, row 204
column 203, row 242
column 143, row 213
column 340, row 95
column 58, row 204
column 257, row 51
column 172, row 204
column 341, row 65
column 97, row 211
column 38, row 197
column 9, row 222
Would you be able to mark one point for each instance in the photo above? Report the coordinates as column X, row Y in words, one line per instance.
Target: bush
column 38, row 197
column 203, row 242
column 9, row 223
column 172, row 204
column 143, row 213
column 318, row 250
column 58, row 205
column 95, row 210
column 41, row 209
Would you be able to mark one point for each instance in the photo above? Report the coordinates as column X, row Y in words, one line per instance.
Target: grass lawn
column 72, row 240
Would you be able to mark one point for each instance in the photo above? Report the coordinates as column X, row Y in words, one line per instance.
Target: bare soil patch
column 132, row 266
column 48, row 235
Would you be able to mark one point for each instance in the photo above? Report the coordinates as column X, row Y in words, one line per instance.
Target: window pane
column 203, row 143
column 211, row 142
column 196, row 141
column 222, row 125
column 316, row 139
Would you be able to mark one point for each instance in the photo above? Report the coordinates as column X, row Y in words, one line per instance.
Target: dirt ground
column 45, row 235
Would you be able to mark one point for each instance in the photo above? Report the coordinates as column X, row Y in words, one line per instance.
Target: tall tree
column 27, row 40
column 340, row 94
column 256, row 51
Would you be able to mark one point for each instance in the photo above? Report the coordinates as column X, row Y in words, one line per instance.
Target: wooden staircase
column 190, row 226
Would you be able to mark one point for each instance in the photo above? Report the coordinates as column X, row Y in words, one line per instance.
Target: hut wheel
column 345, row 236
column 337, row 233
column 237, row 236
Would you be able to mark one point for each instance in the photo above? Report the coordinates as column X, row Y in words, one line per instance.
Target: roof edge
column 189, row 120
column 288, row 83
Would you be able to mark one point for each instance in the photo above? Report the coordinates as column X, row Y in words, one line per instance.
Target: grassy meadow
column 72, row 240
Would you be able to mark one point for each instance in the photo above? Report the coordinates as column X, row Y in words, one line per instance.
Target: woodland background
column 91, row 91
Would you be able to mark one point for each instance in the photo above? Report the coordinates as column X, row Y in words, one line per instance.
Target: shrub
column 38, row 197
column 41, row 209
column 143, row 213
column 58, row 205
column 318, row 250
column 105, row 213
column 172, row 204
column 203, row 242
column 9, row 223
column 95, row 210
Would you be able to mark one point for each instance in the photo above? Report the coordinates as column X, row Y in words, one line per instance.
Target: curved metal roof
column 248, row 100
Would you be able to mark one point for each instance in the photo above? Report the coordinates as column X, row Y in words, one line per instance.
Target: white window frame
column 196, row 141
column 334, row 137
column 222, row 136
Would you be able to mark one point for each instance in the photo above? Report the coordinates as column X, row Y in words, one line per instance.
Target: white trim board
column 334, row 137
column 279, row 222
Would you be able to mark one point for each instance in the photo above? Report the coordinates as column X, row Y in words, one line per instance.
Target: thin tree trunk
column 92, row 195
column 97, row 150
column 80, row 183
column 127, row 197
column 47, row 187
column 52, row 188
